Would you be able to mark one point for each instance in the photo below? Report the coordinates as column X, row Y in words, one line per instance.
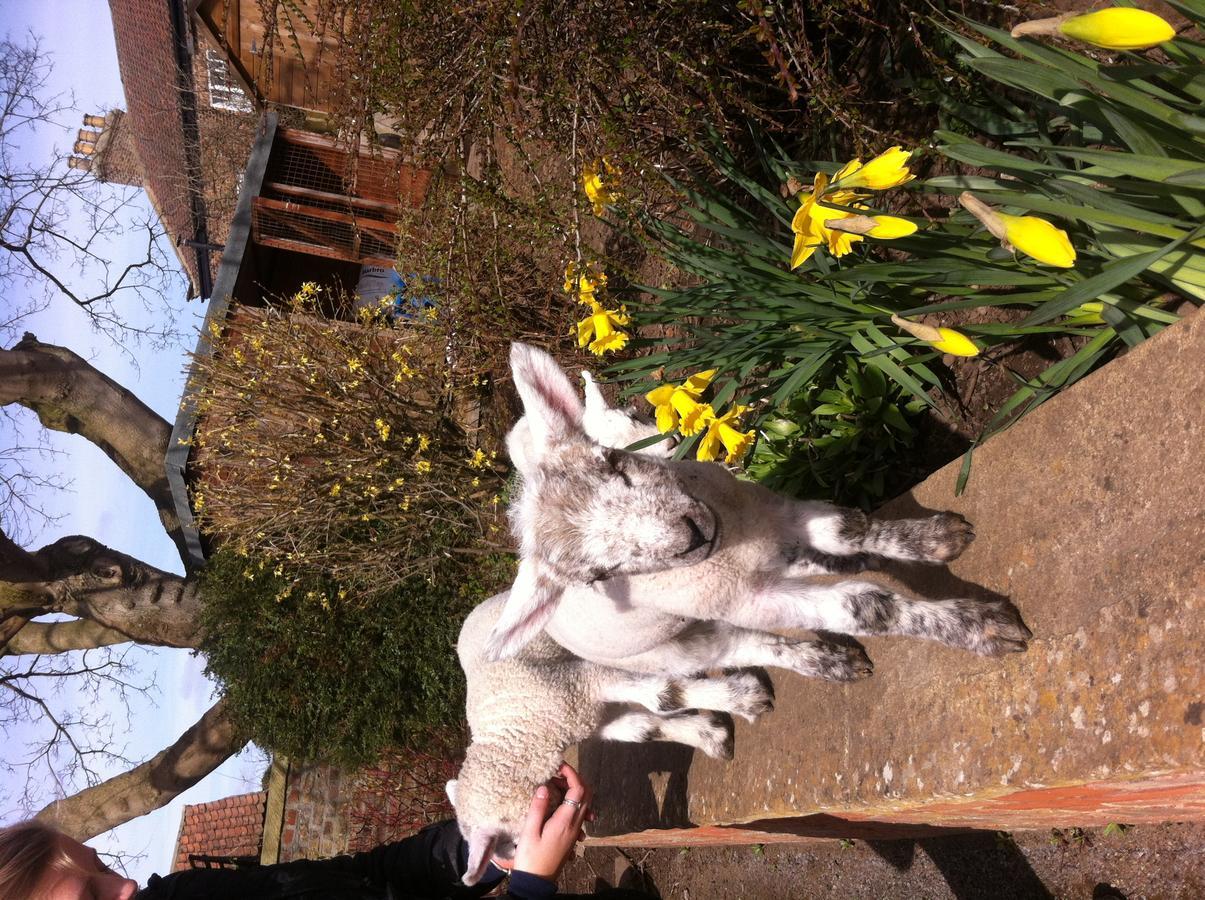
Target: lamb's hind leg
column 840, row 534
column 711, row 732
column 719, row 645
column 986, row 627
column 739, row 693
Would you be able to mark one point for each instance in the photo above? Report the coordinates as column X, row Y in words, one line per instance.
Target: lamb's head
column 585, row 512
column 489, row 811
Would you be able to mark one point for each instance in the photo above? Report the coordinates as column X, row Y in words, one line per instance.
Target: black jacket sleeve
column 428, row 864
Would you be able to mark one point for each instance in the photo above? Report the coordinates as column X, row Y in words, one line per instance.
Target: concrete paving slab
column 1090, row 516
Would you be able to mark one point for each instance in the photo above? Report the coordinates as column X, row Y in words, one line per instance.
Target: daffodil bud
column 1034, row 237
column 1116, row 28
column 882, row 227
column 947, row 340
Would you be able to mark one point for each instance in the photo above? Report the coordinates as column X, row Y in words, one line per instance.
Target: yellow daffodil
column 947, row 340
column 888, row 228
column 1116, row 28
column 1034, row 237
column 887, row 170
column 597, row 178
column 812, row 221
column 599, row 331
column 678, row 406
column 817, row 224
column 723, row 431
column 1119, row 29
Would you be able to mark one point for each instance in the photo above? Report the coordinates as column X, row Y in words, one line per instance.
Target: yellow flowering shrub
column 334, row 447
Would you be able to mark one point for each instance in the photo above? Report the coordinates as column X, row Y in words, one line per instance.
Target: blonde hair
column 28, row 852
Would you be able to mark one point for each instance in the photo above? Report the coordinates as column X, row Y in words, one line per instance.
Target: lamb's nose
column 697, row 538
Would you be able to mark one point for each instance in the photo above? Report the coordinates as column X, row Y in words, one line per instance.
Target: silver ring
column 574, row 803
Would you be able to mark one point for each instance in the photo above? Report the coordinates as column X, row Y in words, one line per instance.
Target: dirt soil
column 1149, row 862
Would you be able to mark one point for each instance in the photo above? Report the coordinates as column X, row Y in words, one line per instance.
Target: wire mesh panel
column 305, row 228
column 321, row 199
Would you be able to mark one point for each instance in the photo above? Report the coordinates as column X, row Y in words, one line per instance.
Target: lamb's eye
column 615, row 461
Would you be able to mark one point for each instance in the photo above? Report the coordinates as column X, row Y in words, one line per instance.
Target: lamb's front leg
column 845, row 538
column 986, row 627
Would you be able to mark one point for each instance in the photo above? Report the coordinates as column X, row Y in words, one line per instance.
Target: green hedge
column 338, row 681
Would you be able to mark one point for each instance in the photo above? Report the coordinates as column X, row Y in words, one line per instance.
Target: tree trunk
column 145, row 788
column 68, row 394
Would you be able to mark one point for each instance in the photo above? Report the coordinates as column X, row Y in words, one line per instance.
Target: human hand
column 549, row 832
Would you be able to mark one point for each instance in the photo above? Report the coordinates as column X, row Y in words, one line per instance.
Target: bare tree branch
column 58, row 715
column 58, row 225
column 69, row 395
column 200, row 750
column 86, row 579
column 59, row 637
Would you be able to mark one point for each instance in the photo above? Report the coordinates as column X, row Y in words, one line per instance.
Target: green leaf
column 1194, row 9
column 803, row 373
column 1110, row 276
column 891, row 369
column 1153, row 168
column 964, row 472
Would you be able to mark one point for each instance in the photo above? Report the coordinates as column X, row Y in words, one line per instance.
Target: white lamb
column 524, row 712
column 674, row 567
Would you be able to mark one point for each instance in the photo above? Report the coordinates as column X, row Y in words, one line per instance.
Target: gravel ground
column 1149, row 862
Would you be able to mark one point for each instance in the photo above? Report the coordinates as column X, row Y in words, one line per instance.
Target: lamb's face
column 489, row 813
column 594, row 512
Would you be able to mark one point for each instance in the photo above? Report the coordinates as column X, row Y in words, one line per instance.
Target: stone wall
column 328, row 811
column 1090, row 518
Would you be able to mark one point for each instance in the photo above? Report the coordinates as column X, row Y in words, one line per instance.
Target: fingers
column 536, row 813
column 572, row 779
column 575, row 807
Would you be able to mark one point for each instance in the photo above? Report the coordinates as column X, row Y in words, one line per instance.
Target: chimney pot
column 76, row 162
column 90, row 136
column 84, row 148
column 94, row 121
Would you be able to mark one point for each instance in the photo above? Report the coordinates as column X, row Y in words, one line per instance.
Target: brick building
column 189, row 132
column 184, row 136
column 224, row 832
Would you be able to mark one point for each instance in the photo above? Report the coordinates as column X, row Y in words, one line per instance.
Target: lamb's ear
column 532, row 600
column 521, row 448
column 551, row 402
column 481, row 849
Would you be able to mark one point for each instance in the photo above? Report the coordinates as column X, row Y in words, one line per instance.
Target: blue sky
column 102, row 502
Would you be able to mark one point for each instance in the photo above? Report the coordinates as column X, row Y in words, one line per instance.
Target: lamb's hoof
column 949, row 535
column 751, row 697
column 998, row 629
column 717, row 736
column 840, row 662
